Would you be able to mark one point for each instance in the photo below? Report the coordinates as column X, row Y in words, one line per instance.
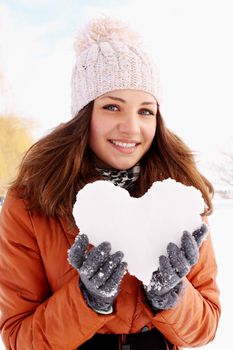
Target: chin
column 124, row 166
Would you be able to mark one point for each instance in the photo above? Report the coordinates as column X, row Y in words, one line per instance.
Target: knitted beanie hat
column 110, row 56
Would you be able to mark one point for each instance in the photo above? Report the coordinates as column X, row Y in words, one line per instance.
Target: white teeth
column 124, row 144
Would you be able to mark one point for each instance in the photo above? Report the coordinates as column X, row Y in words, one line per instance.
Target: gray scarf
column 122, row 178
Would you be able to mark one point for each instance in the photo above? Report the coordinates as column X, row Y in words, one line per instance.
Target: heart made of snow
column 140, row 227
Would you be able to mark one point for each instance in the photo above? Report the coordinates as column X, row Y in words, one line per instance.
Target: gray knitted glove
column 100, row 272
column 166, row 283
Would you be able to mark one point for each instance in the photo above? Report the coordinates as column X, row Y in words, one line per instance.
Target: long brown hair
column 57, row 166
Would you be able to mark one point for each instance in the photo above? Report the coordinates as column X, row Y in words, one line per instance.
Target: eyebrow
column 121, row 100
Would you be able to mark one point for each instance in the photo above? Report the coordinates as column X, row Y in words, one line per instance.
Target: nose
column 129, row 124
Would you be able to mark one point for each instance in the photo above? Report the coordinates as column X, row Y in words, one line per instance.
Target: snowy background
column 191, row 41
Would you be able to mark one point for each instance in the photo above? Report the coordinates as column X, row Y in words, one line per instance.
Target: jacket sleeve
column 193, row 322
column 31, row 316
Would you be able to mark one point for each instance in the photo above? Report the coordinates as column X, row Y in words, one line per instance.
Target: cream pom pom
column 105, row 29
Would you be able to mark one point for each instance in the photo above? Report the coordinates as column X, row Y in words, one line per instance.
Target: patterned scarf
column 122, row 178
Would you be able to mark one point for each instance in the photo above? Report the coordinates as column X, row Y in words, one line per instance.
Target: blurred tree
column 227, row 169
column 15, row 139
column 224, row 170
column 226, row 175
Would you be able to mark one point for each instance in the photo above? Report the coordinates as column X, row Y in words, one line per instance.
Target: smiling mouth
column 126, row 145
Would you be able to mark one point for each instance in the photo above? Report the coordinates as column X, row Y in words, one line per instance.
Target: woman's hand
column 100, row 272
column 166, row 283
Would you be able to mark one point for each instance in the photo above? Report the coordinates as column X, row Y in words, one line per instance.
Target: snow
column 140, row 227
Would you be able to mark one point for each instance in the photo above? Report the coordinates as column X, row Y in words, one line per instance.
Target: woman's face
column 123, row 126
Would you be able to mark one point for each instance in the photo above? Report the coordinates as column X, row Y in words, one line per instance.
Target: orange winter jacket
column 42, row 307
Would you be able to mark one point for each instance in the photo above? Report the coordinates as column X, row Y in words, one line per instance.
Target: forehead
column 128, row 94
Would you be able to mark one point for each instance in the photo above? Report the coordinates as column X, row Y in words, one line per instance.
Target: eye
column 146, row 112
column 111, row 107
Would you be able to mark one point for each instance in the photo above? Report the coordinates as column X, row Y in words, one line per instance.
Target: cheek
column 98, row 129
column 149, row 132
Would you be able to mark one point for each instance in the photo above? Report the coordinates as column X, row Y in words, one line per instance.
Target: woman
column 89, row 301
